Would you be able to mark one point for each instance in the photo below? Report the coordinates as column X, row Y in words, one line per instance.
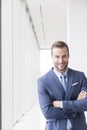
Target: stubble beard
column 61, row 70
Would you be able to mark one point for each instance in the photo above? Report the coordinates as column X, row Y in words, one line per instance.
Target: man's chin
column 61, row 69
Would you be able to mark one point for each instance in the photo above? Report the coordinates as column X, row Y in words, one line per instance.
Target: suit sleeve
column 77, row 105
column 45, row 101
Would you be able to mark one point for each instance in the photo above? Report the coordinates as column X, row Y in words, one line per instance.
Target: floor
column 32, row 120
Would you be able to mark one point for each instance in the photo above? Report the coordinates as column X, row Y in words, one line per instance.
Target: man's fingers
column 82, row 95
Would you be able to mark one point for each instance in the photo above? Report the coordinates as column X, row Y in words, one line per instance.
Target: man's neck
column 65, row 71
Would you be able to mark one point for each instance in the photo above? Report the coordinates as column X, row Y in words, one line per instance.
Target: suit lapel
column 70, row 76
column 57, row 84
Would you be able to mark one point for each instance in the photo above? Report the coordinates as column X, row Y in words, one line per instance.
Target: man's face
column 60, row 58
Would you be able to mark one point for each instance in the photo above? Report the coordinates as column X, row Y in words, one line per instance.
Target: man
column 62, row 107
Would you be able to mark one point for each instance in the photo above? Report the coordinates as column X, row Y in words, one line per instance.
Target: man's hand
column 82, row 95
column 57, row 103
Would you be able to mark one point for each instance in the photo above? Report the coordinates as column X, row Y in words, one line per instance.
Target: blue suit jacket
column 50, row 89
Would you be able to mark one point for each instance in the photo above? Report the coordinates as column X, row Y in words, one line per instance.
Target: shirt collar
column 59, row 74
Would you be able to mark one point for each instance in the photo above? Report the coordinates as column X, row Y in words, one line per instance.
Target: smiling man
column 62, row 93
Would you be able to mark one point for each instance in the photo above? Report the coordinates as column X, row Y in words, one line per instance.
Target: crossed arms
column 82, row 95
column 52, row 110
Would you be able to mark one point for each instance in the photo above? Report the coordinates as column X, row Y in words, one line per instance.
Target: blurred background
column 27, row 30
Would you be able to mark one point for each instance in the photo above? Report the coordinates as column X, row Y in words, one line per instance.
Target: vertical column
column 0, row 64
column 6, row 56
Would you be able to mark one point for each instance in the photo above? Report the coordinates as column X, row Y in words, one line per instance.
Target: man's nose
column 60, row 60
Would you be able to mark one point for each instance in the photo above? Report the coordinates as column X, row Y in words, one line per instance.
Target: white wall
column 78, row 34
column 46, row 62
column 20, row 62
column 7, row 89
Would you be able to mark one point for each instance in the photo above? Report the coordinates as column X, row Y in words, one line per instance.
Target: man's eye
column 57, row 57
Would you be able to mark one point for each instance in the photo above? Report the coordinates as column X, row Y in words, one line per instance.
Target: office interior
column 27, row 30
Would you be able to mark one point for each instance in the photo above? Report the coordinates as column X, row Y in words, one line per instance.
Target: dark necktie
column 63, row 81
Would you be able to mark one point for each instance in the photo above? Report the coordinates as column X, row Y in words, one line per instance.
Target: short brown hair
column 59, row 44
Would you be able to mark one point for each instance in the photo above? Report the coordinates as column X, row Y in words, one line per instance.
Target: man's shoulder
column 46, row 75
column 74, row 71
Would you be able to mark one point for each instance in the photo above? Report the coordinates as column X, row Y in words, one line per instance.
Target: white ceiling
column 50, row 20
